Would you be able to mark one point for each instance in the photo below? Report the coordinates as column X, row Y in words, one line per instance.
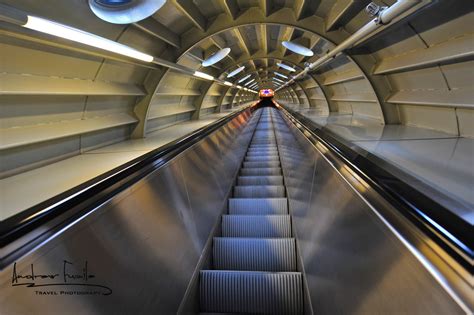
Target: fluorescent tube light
column 244, row 78
column 286, row 67
column 228, row 83
column 236, row 71
column 79, row 36
column 246, row 84
column 281, row 75
column 203, row 75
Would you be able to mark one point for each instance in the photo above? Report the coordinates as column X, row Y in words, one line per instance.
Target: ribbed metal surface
column 257, row 206
column 259, row 180
column 260, row 171
column 262, row 151
column 251, row 292
column 262, row 154
column 262, row 158
column 263, row 146
column 266, row 164
column 256, row 226
column 265, row 155
column 263, row 141
column 258, row 254
column 259, row 191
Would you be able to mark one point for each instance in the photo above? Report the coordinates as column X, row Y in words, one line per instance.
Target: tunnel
column 236, row 157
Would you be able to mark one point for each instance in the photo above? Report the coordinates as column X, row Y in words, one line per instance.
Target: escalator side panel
column 143, row 245
column 353, row 263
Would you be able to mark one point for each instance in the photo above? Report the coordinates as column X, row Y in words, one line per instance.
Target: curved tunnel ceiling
column 415, row 71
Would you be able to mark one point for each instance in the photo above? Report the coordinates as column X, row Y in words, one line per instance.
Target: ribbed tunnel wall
column 59, row 99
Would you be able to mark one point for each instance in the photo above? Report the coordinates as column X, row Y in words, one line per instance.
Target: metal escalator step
column 266, row 164
column 262, row 158
column 259, row 191
column 260, row 171
column 257, row 254
column 257, row 150
column 264, row 153
column 259, row 180
column 267, row 142
column 269, row 148
column 251, row 292
column 258, row 206
column 256, row 226
column 262, row 146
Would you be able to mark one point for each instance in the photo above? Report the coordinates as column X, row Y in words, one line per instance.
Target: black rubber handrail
column 443, row 226
column 98, row 188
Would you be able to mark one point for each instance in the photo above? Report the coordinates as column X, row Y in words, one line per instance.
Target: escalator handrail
column 24, row 222
column 423, row 211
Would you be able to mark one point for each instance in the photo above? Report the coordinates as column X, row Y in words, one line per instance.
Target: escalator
column 255, row 258
column 249, row 215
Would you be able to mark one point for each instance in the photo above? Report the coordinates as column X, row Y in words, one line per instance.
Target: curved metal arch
column 313, row 25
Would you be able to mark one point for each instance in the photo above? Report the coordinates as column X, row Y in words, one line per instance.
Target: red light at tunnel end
column 266, row 93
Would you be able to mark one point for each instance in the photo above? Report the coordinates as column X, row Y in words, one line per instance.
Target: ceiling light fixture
column 281, row 75
column 298, row 49
column 228, row 83
column 124, row 11
column 215, row 58
column 286, row 67
column 236, row 71
column 244, row 78
column 246, row 84
column 79, row 36
column 203, row 75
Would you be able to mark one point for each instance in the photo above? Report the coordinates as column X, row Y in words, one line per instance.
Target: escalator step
column 258, row 254
column 262, row 158
column 262, row 153
column 251, row 292
column 259, row 180
column 259, row 191
column 267, row 164
column 260, row 171
column 263, row 150
column 254, row 142
column 256, row 226
column 256, row 145
column 258, row 206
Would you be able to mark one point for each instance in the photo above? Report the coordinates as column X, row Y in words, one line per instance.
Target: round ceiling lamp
column 236, row 71
column 125, row 11
column 215, row 58
column 282, row 65
column 298, row 49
